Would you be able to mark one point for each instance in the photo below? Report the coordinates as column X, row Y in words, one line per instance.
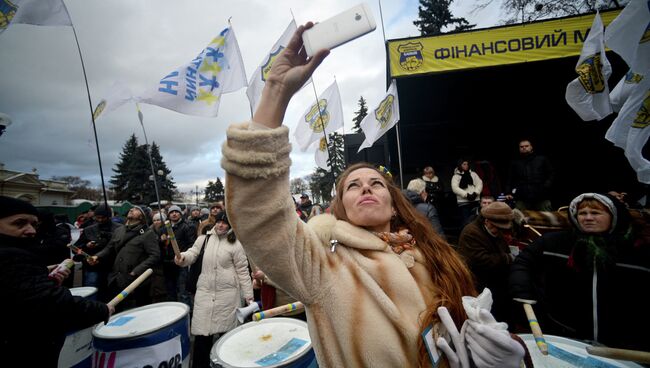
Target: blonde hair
column 416, row 185
column 448, row 272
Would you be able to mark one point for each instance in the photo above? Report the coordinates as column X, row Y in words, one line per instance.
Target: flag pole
column 153, row 173
column 241, row 60
column 397, row 125
column 90, row 104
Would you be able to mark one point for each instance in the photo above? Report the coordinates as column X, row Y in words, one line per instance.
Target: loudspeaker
column 244, row 312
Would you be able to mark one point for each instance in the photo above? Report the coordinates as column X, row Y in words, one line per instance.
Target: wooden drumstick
column 78, row 250
column 620, row 354
column 537, row 331
column 172, row 238
column 278, row 311
column 129, row 289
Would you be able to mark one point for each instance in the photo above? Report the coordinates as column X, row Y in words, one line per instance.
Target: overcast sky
column 138, row 42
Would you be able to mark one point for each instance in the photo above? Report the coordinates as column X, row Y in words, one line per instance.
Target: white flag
column 624, row 88
column 321, row 155
column 636, row 114
column 382, row 118
column 118, row 95
column 326, row 116
column 36, row 12
column 588, row 94
column 258, row 79
column 629, row 35
column 196, row 88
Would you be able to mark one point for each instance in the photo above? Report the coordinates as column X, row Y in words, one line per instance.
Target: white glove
column 457, row 358
column 490, row 346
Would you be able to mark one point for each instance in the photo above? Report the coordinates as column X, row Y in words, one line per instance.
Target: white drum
column 274, row 342
column 148, row 332
column 564, row 352
column 77, row 349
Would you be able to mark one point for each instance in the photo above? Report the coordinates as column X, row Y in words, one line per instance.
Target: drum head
column 274, row 342
column 568, row 353
column 84, row 291
column 141, row 321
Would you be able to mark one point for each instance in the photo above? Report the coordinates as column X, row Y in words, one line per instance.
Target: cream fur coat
column 363, row 301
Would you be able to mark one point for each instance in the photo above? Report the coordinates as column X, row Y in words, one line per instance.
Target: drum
column 563, row 352
column 77, row 350
column 145, row 333
column 274, row 342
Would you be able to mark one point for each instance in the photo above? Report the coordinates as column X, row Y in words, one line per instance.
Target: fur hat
column 499, row 213
column 11, row 206
column 174, row 208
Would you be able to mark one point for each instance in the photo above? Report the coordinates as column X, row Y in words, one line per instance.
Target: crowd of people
column 374, row 269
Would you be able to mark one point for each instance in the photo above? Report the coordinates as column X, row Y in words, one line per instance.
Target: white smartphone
column 339, row 29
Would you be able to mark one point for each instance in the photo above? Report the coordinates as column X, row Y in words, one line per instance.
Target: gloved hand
column 457, row 358
column 490, row 346
column 471, row 196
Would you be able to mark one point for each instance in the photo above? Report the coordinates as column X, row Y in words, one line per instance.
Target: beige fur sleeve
column 262, row 212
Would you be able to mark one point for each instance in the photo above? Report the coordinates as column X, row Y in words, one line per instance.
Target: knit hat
column 221, row 216
column 499, row 213
column 101, row 210
column 174, row 208
column 194, row 208
column 604, row 200
column 11, row 206
column 158, row 217
column 146, row 213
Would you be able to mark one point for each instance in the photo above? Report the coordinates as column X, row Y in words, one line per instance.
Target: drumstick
column 172, row 238
column 278, row 311
column 537, row 331
column 78, row 250
column 119, row 297
column 621, row 354
column 533, row 230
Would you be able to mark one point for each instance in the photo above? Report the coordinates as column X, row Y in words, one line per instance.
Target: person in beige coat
column 375, row 275
column 222, row 282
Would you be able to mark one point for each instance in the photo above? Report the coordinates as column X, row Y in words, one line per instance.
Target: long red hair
column 448, row 272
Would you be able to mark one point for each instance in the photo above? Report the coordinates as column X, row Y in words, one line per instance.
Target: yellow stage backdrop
column 496, row 46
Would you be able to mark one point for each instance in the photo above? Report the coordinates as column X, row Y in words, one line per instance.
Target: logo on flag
column 196, row 87
column 266, row 67
column 99, row 109
column 410, row 55
column 321, row 155
column 318, row 117
column 632, row 77
column 590, row 74
column 7, row 12
column 384, row 113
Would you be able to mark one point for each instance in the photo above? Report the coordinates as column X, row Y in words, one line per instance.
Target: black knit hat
column 11, row 206
column 102, row 210
column 221, row 216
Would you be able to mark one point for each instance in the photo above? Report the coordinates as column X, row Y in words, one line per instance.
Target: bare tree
column 522, row 11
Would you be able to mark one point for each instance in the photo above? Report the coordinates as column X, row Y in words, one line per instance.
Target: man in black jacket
column 93, row 239
column 176, row 277
column 132, row 249
column 35, row 310
column 530, row 179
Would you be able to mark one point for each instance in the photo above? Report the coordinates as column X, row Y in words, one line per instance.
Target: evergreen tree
column 214, row 191
column 434, row 15
column 132, row 180
column 359, row 115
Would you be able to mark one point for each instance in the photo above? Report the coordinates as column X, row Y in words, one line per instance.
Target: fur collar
column 329, row 228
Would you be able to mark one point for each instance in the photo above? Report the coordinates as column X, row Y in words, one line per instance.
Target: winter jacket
column 35, row 313
column 135, row 249
column 425, row 208
column 435, row 190
column 362, row 300
column 566, row 280
column 223, row 282
column 101, row 234
column 461, row 194
column 530, row 178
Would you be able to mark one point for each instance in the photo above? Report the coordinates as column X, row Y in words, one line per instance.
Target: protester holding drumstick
column 219, row 276
column 35, row 312
column 373, row 277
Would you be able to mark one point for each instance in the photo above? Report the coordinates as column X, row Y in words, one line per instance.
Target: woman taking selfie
column 373, row 275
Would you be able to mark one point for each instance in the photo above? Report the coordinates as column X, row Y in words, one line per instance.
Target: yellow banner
column 551, row 39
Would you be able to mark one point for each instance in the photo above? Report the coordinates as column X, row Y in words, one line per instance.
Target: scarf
column 399, row 242
column 465, row 180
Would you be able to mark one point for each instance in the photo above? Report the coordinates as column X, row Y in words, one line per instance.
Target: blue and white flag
column 629, row 35
column 635, row 115
column 322, row 155
column 258, row 79
column 588, row 95
column 382, row 118
column 35, row 12
column 325, row 116
column 196, row 87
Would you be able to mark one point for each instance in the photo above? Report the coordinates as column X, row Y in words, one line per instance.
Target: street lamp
column 197, row 192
